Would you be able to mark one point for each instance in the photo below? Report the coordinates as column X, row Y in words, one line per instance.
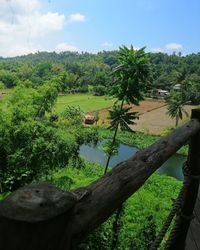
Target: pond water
column 172, row 167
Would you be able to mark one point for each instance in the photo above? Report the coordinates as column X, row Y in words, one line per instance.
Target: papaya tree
column 130, row 79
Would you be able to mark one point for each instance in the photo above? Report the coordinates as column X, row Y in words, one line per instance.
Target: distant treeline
column 83, row 72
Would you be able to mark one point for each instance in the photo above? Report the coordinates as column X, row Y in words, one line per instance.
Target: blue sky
column 94, row 25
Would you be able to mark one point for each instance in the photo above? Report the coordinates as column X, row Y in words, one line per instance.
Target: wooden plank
column 197, row 211
column 197, row 215
column 190, row 243
column 193, row 237
column 195, row 230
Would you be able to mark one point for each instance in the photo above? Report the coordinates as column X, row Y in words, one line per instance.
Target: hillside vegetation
column 80, row 72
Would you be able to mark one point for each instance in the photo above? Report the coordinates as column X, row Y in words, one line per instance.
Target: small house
column 162, row 92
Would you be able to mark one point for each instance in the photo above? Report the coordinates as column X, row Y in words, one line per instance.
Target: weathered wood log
column 34, row 217
column 93, row 204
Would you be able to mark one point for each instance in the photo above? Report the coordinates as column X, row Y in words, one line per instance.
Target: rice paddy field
column 86, row 102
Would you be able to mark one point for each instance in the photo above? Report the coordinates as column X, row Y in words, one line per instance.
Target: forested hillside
column 83, row 72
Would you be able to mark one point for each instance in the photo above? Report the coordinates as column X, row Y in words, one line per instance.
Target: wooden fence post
column 35, row 218
column 178, row 234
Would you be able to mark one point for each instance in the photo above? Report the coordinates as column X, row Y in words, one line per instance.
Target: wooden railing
column 42, row 217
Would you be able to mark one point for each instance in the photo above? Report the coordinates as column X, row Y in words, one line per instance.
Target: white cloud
column 174, row 46
column 65, row 47
column 22, row 24
column 107, row 44
column 40, row 24
column 14, row 7
column 77, row 17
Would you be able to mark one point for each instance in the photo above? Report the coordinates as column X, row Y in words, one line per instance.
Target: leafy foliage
column 99, row 90
column 131, row 75
column 176, row 106
column 110, row 148
column 96, row 117
column 122, row 117
column 180, row 96
column 30, row 143
column 147, row 234
column 74, row 114
column 137, row 139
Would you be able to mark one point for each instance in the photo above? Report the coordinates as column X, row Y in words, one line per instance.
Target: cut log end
column 35, row 203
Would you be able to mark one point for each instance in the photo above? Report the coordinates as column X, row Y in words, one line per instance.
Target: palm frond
column 122, row 117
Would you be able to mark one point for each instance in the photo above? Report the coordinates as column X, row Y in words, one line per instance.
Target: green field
column 86, row 102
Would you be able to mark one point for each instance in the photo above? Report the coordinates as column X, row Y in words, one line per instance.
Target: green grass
column 137, row 139
column 87, row 102
column 71, row 177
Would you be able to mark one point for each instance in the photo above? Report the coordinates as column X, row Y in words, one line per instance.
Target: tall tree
column 130, row 79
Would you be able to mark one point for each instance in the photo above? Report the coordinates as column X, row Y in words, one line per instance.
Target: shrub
column 99, row 90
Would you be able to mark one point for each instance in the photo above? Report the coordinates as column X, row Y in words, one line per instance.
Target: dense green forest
column 83, row 72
